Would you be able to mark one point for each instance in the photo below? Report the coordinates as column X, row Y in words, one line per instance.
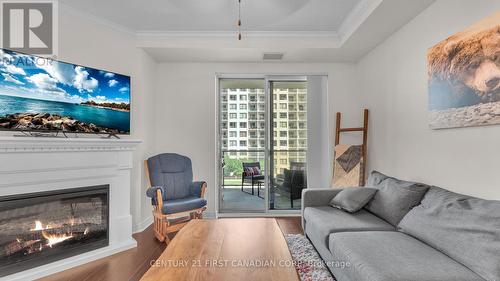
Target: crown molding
column 322, row 39
column 226, row 39
column 356, row 17
column 231, row 33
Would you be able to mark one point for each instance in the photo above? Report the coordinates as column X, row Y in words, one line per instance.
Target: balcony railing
column 232, row 171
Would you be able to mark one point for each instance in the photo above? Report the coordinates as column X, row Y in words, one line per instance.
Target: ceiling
column 220, row 15
column 205, row 30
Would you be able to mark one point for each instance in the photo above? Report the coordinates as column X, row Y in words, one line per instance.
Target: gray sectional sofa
column 440, row 236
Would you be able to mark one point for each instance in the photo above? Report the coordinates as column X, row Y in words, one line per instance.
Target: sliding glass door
column 262, row 147
column 242, row 133
column 288, row 146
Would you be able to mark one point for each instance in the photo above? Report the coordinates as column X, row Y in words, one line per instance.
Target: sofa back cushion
column 394, row 198
column 466, row 229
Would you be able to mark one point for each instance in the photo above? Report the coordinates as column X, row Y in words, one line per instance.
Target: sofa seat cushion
column 323, row 220
column 393, row 256
column 182, row 205
column 466, row 229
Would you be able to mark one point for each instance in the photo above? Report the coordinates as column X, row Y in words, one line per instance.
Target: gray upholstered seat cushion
column 352, row 199
column 395, row 198
column 466, row 229
column 182, row 205
column 392, row 256
column 323, row 220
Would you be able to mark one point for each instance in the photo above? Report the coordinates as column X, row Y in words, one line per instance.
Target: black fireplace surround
column 39, row 228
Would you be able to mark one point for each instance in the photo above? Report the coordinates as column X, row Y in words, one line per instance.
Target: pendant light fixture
column 239, row 19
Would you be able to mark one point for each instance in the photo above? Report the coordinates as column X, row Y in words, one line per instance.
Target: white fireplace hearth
column 29, row 165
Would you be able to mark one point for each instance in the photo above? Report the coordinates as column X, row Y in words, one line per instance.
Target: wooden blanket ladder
column 363, row 129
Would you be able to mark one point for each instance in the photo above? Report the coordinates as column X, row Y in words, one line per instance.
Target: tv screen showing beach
column 39, row 94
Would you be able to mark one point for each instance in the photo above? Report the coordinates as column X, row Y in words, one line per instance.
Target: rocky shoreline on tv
column 49, row 122
column 56, row 96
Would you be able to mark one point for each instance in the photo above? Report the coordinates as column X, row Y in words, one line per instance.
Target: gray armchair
column 173, row 193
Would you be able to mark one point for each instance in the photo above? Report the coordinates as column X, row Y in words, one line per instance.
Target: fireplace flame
column 86, row 231
column 38, row 226
column 53, row 239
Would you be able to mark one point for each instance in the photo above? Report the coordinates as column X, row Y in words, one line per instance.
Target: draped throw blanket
column 348, row 168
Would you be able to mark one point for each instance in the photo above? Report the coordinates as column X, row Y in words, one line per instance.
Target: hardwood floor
column 132, row 264
column 290, row 225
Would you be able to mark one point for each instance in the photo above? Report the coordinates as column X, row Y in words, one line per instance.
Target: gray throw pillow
column 352, row 199
column 395, row 198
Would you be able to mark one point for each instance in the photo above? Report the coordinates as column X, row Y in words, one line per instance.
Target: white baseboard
column 61, row 265
column 141, row 226
column 258, row 215
column 209, row 215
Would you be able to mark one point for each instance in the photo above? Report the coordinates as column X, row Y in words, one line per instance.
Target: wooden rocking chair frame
column 169, row 223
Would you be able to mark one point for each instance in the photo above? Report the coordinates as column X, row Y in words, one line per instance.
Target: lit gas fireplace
column 40, row 228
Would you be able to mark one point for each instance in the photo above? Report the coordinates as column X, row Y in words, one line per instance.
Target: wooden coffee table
column 226, row 249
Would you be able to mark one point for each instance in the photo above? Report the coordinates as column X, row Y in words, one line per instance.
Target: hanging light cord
column 239, row 19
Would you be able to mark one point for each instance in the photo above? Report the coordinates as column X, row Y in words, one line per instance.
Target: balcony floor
column 237, row 201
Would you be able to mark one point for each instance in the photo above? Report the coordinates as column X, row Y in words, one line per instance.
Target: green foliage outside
column 122, row 106
column 234, row 167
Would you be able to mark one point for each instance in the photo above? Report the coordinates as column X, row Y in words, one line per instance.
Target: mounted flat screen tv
column 43, row 95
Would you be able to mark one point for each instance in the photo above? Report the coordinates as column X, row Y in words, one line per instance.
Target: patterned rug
column 309, row 264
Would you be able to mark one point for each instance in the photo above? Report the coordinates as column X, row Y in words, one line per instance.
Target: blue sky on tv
column 38, row 78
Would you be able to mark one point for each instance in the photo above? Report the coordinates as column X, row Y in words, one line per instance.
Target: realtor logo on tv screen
column 39, row 94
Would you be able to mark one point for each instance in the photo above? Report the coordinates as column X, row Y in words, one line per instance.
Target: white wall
column 393, row 82
column 186, row 106
column 85, row 41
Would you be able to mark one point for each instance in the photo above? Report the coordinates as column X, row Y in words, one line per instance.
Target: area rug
column 309, row 264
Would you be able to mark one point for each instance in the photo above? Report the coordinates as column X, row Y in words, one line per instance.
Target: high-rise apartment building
column 243, row 125
column 289, row 127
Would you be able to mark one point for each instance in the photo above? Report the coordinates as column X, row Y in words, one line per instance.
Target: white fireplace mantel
column 43, row 144
column 30, row 165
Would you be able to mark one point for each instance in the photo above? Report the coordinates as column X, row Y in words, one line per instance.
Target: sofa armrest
column 197, row 188
column 312, row 197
